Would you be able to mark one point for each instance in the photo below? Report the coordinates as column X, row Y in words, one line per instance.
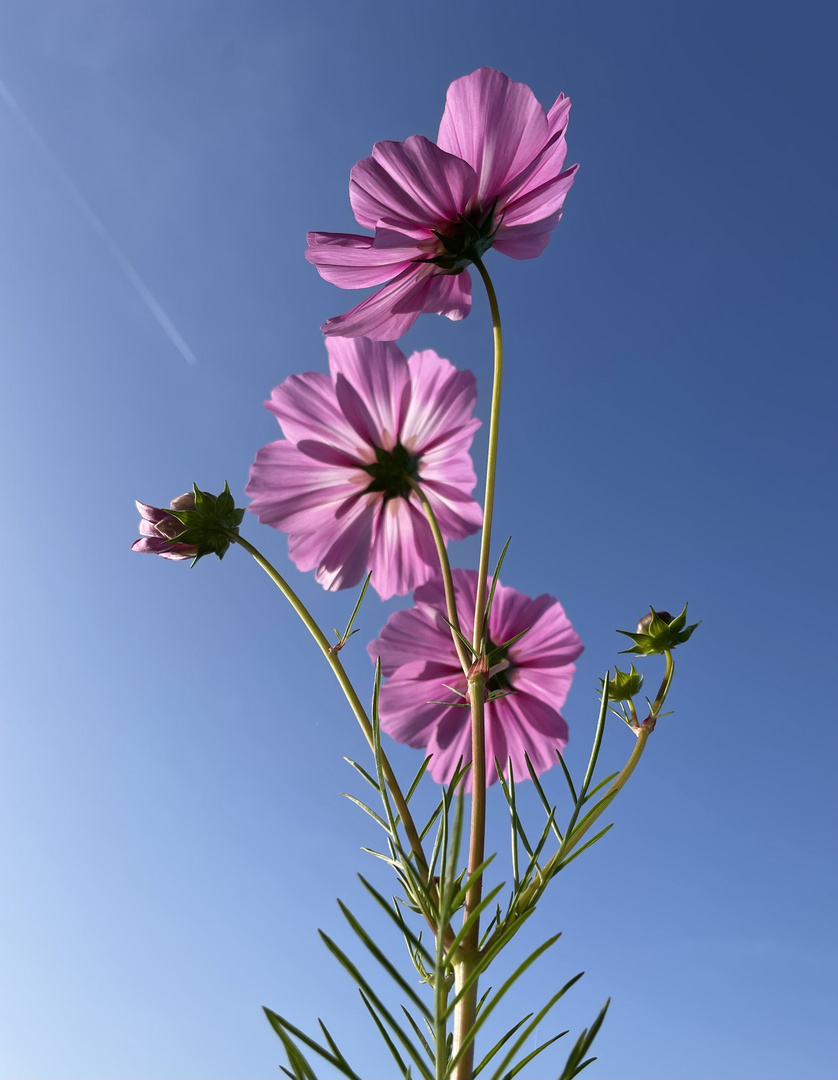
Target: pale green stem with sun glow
column 343, row 679
column 447, row 580
column 466, row 1009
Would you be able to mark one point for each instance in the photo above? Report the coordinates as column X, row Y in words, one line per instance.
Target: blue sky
column 171, row 835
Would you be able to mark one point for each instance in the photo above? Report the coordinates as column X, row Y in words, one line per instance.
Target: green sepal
column 212, row 525
column 660, row 636
column 624, row 684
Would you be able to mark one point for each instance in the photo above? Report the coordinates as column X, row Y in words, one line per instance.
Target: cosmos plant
column 371, row 480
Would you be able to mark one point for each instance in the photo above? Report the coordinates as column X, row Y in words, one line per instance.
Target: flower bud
column 624, row 685
column 196, row 524
column 658, row 632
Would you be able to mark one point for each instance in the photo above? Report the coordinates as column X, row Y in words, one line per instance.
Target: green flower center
column 392, row 472
column 466, row 241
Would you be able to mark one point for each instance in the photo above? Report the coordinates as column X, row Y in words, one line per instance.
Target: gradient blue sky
column 171, row 835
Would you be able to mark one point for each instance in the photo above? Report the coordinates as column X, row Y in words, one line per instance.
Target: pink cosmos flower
column 493, row 179
column 158, row 529
column 340, row 482
column 535, row 673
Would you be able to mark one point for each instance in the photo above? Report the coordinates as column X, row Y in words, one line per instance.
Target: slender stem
column 447, row 580
column 348, row 690
column 572, row 840
column 665, row 684
column 494, row 419
column 465, row 1011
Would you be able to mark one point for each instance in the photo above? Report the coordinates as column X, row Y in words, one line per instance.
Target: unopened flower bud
column 658, row 632
column 646, row 621
column 196, row 524
column 624, row 685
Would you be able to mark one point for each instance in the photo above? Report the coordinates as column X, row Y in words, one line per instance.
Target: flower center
column 466, row 241
column 392, row 472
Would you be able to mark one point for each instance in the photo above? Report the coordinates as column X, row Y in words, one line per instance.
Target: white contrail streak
column 95, row 222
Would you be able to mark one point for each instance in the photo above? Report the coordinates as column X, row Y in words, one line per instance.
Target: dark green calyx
column 211, row 525
column 393, row 472
column 658, row 632
column 466, row 242
column 624, row 685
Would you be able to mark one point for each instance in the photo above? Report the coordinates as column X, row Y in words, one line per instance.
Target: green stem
column 491, row 466
column 664, row 686
column 573, row 836
column 348, row 690
column 465, row 1011
column 447, row 580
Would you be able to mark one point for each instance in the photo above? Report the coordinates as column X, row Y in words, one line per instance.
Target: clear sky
column 171, row 835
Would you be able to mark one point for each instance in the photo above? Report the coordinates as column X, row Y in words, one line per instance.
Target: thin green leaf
column 482, row 1000
column 477, row 873
column 285, row 1029
column 480, row 1020
column 391, row 970
column 400, row 1034
column 395, row 914
column 566, row 772
column 501, row 1042
column 582, row 1045
column 367, row 810
column 491, row 598
column 511, row 641
column 532, row 866
column 600, row 728
column 430, row 822
column 469, row 922
column 419, row 1034
column 600, row 786
column 577, row 853
column 385, row 1035
column 455, row 631
column 500, row 1073
column 551, row 810
column 357, row 607
column 525, row 1061
column 422, row 769
column 369, row 779
column 333, row 1046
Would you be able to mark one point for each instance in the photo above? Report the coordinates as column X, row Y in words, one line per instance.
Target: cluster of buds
column 196, row 524
column 657, row 632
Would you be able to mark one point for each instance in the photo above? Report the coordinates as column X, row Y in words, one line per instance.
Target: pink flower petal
column 352, row 262
column 343, row 517
column 441, row 405
column 494, row 124
column 403, row 552
column 414, row 185
column 418, row 657
column 373, row 386
column 539, row 203
column 455, row 730
column 295, row 493
column 526, row 241
column 411, row 718
column 389, row 313
column 306, row 408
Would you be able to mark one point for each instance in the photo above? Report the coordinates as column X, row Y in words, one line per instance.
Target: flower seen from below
column 196, row 524
column 340, row 482
column 158, row 528
column 533, row 675
column 494, row 178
